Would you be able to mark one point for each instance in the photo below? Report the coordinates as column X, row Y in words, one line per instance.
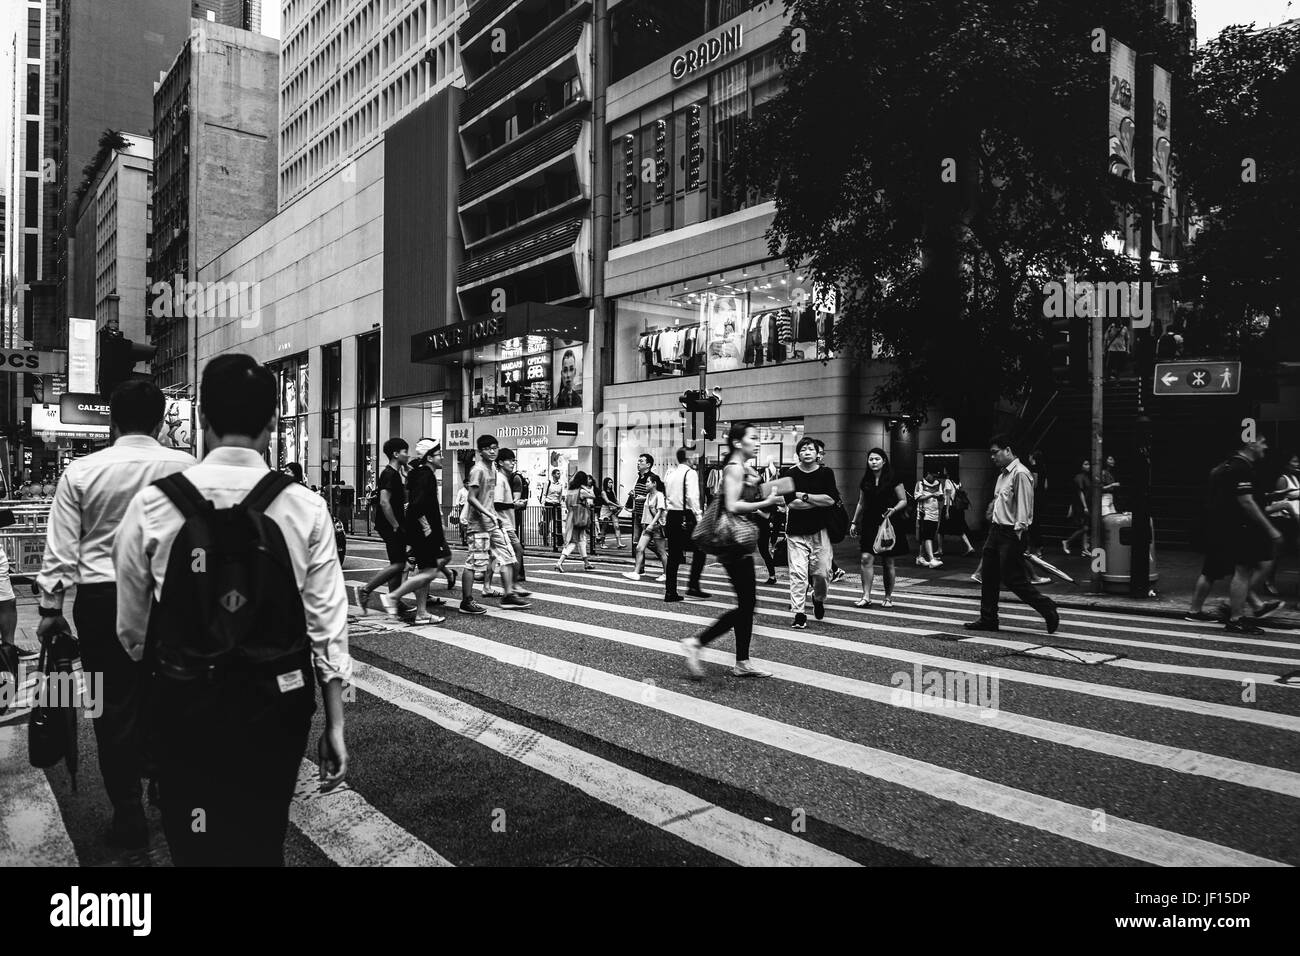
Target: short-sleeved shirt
column 929, row 507
column 1083, row 484
column 482, row 486
column 422, row 484
column 390, row 480
column 802, row 521
column 505, row 496
column 1228, row 482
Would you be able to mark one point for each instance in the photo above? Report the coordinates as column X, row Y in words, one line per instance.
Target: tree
column 1242, row 173
column 944, row 159
column 110, row 140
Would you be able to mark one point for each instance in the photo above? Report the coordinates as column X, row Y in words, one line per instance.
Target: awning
column 456, row 344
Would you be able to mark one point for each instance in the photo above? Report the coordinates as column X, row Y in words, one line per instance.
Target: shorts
column 929, row 531
column 1244, row 545
column 485, row 544
column 394, row 546
column 429, row 550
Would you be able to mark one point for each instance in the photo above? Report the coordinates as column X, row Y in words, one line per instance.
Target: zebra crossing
column 570, row 732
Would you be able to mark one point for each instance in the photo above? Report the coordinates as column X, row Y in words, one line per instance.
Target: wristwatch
column 804, row 497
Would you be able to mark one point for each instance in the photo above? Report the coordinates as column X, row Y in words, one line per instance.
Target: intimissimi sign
column 708, row 51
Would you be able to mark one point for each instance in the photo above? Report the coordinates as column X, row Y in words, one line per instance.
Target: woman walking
column 609, row 509
column 929, row 505
column 654, row 517
column 739, row 489
column 579, row 499
column 956, row 504
column 883, row 499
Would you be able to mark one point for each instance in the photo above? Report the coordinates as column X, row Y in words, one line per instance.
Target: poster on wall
column 1121, row 127
column 1161, row 156
column 568, row 374
column 725, row 315
column 288, row 393
column 176, row 430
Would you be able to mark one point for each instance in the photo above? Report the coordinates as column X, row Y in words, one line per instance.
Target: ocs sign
column 23, row 360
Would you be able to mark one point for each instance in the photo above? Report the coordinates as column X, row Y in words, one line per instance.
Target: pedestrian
column 552, row 494
column 882, row 499
column 1080, row 510
column 457, row 513
column 929, row 506
column 1284, row 511
column 422, row 530
column 487, row 537
column 682, row 491
column 1239, row 541
column 593, row 522
column 1117, row 349
column 837, row 573
column 955, row 505
column 511, row 504
column 636, row 498
column 739, row 489
column 9, row 654
column 654, row 517
column 1003, row 560
column 807, row 543
column 609, row 509
column 230, row 698
column 1110, row 487
column 767, row 521
column 294, row 471
column 579, row 500
column 390, row 513
column 85, row 518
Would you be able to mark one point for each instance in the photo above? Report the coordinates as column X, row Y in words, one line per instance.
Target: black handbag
column 52, row 732
column 837, row 523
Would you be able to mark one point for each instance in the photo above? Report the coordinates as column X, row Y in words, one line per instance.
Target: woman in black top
column 882, row 499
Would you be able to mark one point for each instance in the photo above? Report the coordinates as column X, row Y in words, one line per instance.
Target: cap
column 424, row 446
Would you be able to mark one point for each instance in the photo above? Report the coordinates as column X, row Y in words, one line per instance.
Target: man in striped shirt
column 1004, row 549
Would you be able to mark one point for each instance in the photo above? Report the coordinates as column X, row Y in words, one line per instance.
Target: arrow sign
column 1206, row 377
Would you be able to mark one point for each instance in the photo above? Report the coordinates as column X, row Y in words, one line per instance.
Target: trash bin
column 1117, row 540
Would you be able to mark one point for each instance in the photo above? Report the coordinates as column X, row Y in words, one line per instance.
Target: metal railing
column 24, row 540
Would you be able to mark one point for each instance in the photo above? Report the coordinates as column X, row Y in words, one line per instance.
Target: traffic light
column 118, row 357
column 1069, row 345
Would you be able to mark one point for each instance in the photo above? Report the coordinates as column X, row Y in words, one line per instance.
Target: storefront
column 543, row 444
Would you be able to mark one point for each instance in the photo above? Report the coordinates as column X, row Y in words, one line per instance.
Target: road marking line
column 32, row 831
column 1182, row 760
column 671, row 809
column 1129, row 838
column 1113, row 692
column 349, row 830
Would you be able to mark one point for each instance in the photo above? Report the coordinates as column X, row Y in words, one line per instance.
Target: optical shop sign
column 708, row 51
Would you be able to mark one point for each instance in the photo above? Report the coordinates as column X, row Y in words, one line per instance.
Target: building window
column 367, row 455
column 531, row 374
column 291, row 432
column 331, row 411
column 748, row 321
column 33, row 89
column 33, row 34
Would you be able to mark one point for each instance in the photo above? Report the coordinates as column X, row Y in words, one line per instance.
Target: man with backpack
column 85, row 518
column 231, row 593
column 389, row 503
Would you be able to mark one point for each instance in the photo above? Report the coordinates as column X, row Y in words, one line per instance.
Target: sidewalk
column 1177, row 571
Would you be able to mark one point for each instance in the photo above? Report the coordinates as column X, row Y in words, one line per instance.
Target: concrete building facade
column 240, row 14
column 215, row 125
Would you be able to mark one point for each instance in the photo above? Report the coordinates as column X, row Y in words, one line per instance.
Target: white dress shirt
column 88, row 506
column 682, row 479
column 224, row 477
column 1013, row 497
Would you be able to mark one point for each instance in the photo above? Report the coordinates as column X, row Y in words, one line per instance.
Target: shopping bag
column 885, row 538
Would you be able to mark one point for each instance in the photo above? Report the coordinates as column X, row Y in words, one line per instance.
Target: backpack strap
column 265, row 491
column 183, row 495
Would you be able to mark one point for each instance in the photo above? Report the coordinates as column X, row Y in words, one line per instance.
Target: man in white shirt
column 244, row 779
column 682, row 486
column 85, row 517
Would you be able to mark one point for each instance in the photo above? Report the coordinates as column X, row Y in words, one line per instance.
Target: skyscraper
column 240, row 14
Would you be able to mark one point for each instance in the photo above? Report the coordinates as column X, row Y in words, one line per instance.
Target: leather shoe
column 1053, row 622
column 671, row 598
column 697, row 593
column 980, row 625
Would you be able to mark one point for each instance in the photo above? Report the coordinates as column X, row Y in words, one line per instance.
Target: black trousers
column 554, row 527
column 226, row 777
column 117, row 729
column 1003, row 563
column 677, row 553
column 740, row 570
column 765, row 542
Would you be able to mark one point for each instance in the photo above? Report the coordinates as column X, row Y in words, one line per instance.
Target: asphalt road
column 569, row 734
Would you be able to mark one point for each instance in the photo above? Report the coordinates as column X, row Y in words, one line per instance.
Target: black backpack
column 228, row 638
column 525, row 489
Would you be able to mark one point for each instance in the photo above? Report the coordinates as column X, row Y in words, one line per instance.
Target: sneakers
column 838, row 575
column 491, row 591
column 522, row 592
column 977, row 578
column 1202, row 616
column 1265, row 609
column 771, row 580
column 800, row 621
column 392, row 607
column 471, row 607
column 632, row 575
column 691, row 649
column 1243, row 625
column 746, row 669
column 514, row 601
column 819, row 610
column 1039, row 581
column 661, row 579
column 936, row 563
column 427, row 619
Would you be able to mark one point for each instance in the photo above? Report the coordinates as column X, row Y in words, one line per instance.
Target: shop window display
column 291, row 429
column 532, row 374
column 742, row 322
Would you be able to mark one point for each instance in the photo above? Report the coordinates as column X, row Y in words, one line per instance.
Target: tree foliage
column 1011, row 96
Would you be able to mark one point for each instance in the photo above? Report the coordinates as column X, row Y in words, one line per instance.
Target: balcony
column 541, row 244
column 523, row 68
column 534, row 156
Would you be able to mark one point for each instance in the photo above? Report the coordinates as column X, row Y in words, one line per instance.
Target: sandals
column 588, row 566
column 559, row 566
column 363, row 600
column 887, row 603
column 864, row 602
